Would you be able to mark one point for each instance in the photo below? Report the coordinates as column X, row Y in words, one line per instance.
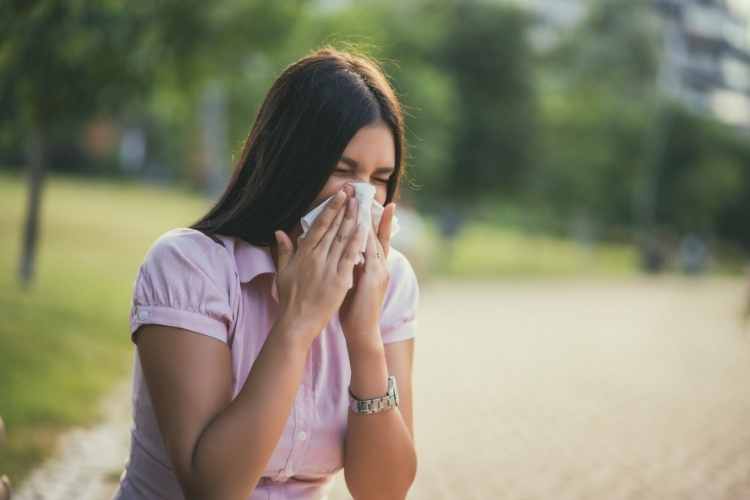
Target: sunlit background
column 576, row 207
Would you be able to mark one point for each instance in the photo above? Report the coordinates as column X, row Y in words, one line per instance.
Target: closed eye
column 346, row 171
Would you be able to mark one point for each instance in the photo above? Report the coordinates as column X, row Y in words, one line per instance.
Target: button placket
column 299, row 423
column 303, row 407
column 303, row 436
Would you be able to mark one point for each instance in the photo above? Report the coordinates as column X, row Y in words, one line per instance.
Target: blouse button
column 142, row 314
column 302, row 435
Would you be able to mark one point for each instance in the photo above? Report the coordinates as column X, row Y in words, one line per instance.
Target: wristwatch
column 375, row 405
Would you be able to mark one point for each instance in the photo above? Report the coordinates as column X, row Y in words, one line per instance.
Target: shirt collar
column 253, row 260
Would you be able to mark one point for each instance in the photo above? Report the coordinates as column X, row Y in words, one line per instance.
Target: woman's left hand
column 360, row 312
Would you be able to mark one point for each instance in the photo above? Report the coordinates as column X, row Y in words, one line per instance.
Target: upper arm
column 189, row 380
column 398, row 319
column 398, row 326
column 181, row 318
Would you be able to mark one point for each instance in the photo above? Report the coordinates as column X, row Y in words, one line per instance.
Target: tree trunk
column 36, row 174
column 652, row 257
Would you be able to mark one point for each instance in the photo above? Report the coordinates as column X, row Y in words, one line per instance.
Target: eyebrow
column 354, row 164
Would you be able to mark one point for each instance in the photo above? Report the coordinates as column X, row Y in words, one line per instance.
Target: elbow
column 412, row 474
column 379, row 494
column 395, row 487
column 202, row 484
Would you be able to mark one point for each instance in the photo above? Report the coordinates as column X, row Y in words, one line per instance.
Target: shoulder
column 186, row 246
column 186, row 280
column 400, row 269
column 190, row 260
column 403, row 286
column 398, row 318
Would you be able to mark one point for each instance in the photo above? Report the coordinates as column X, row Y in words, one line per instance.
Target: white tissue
column 368, row 210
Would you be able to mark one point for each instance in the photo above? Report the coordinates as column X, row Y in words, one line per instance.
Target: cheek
column 331, row 188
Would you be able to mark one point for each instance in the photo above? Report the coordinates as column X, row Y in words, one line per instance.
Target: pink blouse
column 226, row 289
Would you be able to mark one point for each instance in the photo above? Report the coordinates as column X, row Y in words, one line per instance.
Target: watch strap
column 375, row 405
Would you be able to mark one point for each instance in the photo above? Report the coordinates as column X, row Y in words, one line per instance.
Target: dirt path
column 89, row 461
column 580, row 390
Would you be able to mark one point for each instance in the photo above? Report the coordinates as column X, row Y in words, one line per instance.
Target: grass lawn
column 64, row 342
column 487, row 252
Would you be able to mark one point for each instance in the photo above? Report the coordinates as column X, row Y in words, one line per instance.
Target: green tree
column 63, row 61
column 599, row 103
column 486, row 52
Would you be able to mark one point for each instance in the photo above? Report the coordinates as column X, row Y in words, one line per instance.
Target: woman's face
column 369, row 157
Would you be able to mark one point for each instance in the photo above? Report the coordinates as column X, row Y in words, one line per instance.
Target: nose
column 358, row 181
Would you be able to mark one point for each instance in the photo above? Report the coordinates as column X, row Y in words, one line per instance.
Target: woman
column 254, row 345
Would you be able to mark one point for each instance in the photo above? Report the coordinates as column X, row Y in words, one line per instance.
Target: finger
column 386, row 223
column 326, row 217
column 325, row 242
column 351, row 252
column 345, row 232
column 370, row 248
column 284, row 247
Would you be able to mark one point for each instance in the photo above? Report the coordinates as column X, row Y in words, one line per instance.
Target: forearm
column 380, row 459
column 235, row 447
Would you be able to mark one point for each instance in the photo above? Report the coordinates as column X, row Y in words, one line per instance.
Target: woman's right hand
column 313, row 280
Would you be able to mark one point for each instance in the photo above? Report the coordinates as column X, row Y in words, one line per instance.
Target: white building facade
column 706, row 50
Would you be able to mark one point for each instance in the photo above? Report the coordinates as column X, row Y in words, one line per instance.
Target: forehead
column 372, row 145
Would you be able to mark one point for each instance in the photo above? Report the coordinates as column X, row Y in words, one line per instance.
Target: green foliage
column 577, row 132
column 62, row 60
column 617, row 151
column 590, row 155
column 486, row 52
column 597, row 91
column 700, row 172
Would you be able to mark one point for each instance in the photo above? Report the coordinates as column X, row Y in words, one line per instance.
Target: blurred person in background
column 267, row 362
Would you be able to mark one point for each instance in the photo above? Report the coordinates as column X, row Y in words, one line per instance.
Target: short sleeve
column 185, row 281
column 399, row 317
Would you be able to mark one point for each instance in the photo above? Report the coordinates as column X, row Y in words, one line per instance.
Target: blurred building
column 706, row 58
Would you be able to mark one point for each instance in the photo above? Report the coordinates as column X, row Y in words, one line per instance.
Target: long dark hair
column 307, row 119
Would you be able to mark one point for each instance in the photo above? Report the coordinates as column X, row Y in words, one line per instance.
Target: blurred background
column 577, row 195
